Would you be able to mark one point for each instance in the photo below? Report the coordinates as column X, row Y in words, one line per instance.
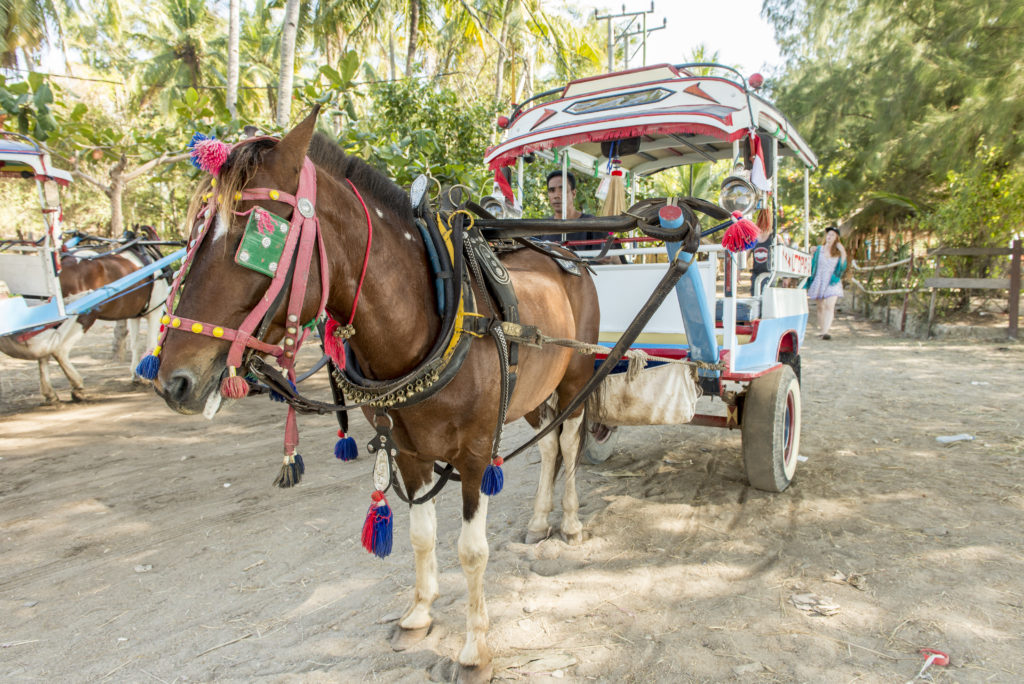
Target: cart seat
column 747, row 309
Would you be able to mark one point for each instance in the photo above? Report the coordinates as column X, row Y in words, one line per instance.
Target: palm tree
column 231, row 99
column 25, row 26
column 286, row 74
column 181, row 38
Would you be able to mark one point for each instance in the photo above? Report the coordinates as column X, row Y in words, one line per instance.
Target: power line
column 76, row 78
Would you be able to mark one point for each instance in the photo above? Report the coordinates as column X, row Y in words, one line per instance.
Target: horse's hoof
column 79, row 396
column 51, row 401
column 533, row 537
column 574, row 539
column 404, row 639
column 477, row 674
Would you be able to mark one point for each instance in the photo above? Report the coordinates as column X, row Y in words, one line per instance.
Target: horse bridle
column 304, row 235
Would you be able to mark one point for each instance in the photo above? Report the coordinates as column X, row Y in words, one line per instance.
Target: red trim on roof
column 544, row 116
column 511, row 155
column 696, row 90
column 619, row 88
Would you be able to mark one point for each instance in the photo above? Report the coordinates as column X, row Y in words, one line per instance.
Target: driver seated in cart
column 567, row 210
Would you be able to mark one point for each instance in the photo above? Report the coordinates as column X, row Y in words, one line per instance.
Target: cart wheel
column 601, row 442
column 771, row 429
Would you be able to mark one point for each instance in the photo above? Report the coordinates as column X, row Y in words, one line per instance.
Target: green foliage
column 28, row 104
column 410, row 129
column 894, row 96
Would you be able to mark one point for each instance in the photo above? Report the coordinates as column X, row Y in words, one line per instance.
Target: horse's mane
column 245, row 160
column 329, row 156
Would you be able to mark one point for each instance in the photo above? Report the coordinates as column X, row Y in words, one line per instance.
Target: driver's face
column 555, row 195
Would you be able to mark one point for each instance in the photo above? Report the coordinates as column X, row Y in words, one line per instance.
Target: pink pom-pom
column 741, row 235
column 234, row 387
column 209, row 155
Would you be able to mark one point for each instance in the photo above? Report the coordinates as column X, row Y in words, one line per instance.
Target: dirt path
column 138, row 545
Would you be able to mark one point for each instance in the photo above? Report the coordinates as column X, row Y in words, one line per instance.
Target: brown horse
column 395, row 325
column 79, row 275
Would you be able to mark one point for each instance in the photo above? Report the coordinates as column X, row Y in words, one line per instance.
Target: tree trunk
column 414, row 26
column 233, row 29
column 287, row 73
column 115, row 191
column 391, row 56
column 499, row 76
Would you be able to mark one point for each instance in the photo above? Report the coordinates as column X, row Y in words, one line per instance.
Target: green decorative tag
column 263, row 242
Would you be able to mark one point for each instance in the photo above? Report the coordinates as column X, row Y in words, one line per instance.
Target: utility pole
column 625, row 26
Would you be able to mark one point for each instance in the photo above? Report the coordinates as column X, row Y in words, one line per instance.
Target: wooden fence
column 935, row 283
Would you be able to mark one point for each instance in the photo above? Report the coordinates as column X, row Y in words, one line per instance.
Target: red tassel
column 368, row 529
column 234, row 387
column 741, row 235
column 334, row 345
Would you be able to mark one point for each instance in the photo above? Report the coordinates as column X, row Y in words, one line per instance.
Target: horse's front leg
column 135, row 347
column 415, row 623
column 569, row 443
column 475, row 657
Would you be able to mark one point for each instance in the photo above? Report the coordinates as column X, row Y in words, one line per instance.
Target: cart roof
column 21, row 157
column 679, row 117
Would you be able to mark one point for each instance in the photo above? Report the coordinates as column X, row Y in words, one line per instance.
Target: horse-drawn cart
column 743, row 350
column 30, row 269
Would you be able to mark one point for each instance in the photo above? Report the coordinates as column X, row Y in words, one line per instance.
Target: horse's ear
column 293, row 147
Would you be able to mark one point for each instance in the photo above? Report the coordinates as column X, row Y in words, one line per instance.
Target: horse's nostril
column 180, row 385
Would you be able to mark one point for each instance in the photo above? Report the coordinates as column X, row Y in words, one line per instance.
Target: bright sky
column 732, row 28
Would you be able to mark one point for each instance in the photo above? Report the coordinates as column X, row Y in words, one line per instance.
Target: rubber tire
column 771, row 429
column 596, row 453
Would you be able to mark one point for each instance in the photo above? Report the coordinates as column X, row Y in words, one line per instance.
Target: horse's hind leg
column 49, row 394
column 569, row 443
column 543, row 502
column 415, row 624
column 475, row 657
column 74, row 377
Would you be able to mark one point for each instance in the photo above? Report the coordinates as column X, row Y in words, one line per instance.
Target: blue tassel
column 148, row 367
column 382, row 532
column 346, row 449
column 376, row 535
column 493, row 480
column 275, row 396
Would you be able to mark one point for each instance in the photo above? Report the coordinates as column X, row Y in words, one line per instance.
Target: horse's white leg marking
column 473, row 553
column 423, row 535
column 61, row 354
column 569, row 442
column 133, row 345
column 74, row 377
column 49, row 396
column 542, row 503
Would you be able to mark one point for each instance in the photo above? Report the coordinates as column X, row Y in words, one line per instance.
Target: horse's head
column 243, row 219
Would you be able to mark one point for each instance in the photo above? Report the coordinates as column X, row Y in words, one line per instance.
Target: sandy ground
column 138, row 545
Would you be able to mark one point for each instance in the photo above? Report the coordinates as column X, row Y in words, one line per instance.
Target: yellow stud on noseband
column 176, row 323
column 165, row 319
column 218, row 332
column 274, row 194
column 197, row 327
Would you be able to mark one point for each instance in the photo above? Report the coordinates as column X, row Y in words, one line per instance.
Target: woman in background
column 825, row 284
